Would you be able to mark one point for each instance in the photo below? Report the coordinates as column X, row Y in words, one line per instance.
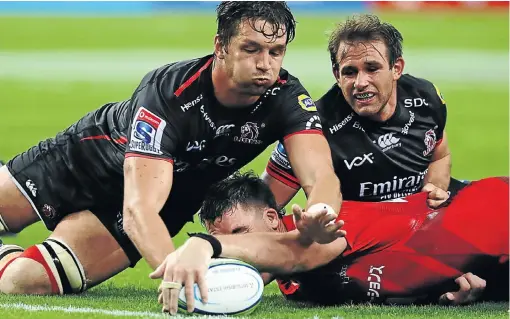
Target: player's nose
column 264, row 62
column 362, row 81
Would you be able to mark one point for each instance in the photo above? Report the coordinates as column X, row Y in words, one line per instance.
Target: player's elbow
column 324, row 175
column 132, row 217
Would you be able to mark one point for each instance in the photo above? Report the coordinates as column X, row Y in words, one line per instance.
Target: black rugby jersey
column 174, row 116
column 377, row 161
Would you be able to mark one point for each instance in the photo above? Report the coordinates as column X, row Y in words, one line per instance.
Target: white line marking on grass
column 87, row 310
column 310, row 65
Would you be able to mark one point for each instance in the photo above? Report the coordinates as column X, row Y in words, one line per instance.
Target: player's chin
column 366, row 110
column 257, row 90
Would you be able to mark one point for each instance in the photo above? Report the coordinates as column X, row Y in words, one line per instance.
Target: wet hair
column 363, row 28
column 245, row 189
column 230, row 14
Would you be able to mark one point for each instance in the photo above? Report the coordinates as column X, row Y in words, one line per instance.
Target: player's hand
column 318, row 224
column 437, row 195
column 185, row 266
column 471, row 288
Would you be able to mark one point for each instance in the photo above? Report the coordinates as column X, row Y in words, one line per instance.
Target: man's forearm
column 439, row 172
column 326, row 189
column 278, row 253
column 149, row 235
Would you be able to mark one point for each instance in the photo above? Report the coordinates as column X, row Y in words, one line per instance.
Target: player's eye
column 276, row 53
column 239, row 230
column 348, row 72
column 250, row 50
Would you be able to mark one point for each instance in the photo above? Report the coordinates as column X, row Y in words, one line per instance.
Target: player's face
column 252, row 60
column 365, row 76
column 244, row 220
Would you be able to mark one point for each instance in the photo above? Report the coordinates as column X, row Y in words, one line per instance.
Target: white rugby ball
column 234, row 287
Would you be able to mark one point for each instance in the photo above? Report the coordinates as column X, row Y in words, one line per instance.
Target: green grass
column 33, row 110
column 479, row 31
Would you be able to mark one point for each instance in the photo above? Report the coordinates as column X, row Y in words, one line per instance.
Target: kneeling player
column 397, row 252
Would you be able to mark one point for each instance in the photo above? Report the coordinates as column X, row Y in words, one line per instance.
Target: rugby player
column 119, row 183
column 386, row 129
column 399, row 252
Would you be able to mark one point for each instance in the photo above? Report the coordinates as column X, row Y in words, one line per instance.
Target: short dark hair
column 230, row 14
column 245, row 189
column 365, row 27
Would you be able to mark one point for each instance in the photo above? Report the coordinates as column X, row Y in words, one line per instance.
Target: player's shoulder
column 289, row 89
column 419, row 92
column 332, row 103
column 176, row 83
column 173, row 76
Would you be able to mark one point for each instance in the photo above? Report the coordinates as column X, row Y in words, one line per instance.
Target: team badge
column 430, row 142
column 306, row 103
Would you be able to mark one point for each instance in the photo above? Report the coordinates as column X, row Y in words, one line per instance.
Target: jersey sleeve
column 300, row 114
column 440, row 112
column 279, row 167
column 153, row 131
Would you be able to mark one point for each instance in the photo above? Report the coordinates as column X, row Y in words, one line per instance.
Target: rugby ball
column 234, row 287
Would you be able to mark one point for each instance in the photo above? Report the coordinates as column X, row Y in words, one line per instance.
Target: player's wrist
column 214, row 243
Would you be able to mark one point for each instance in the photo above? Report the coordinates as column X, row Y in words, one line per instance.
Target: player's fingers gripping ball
column 234, row 288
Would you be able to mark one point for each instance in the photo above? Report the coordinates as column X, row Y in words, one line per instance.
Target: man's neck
column 224, row 88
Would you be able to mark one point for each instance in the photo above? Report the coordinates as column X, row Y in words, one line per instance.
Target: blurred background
column 59, row 60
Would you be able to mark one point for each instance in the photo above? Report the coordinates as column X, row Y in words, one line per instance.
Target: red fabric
column 34, row 254
column 406, row 248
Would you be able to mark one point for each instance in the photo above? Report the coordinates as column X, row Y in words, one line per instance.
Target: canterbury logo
column 31, row 186
column 387, row 140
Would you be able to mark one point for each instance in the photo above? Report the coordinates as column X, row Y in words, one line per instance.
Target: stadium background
column 59, row 60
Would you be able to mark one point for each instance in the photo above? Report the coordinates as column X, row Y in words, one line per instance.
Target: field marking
column 309, row 65
column 107, row 312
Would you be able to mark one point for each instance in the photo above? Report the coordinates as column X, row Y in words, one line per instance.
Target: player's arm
column 153, row 137
column 280, row 177
column 147, row 184
column 275, row 253
column 437, row 180
column 310, row 157
column 439, row 170
column 280, row 253
column 311, row 161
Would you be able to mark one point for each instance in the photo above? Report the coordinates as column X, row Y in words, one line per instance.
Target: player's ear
column 398, row 68
column 272, row 218
column 219, row 49
column 336, row 72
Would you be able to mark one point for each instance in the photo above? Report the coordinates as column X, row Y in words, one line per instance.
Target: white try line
column 106, row 312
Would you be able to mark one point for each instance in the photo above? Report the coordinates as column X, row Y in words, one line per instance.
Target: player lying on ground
column 386, row 129
column 119, row 183
column 398, row 252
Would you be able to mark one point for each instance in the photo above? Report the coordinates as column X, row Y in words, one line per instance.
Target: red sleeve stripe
column 280, row 171
column 439, row 142
column 149, row 157
column 282, row 179
column 120, row 140
column 313, row 131
column 192, row 79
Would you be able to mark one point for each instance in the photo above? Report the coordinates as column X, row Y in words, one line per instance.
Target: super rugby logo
column 430, row 142
column 249, row 133
column 147, row 132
